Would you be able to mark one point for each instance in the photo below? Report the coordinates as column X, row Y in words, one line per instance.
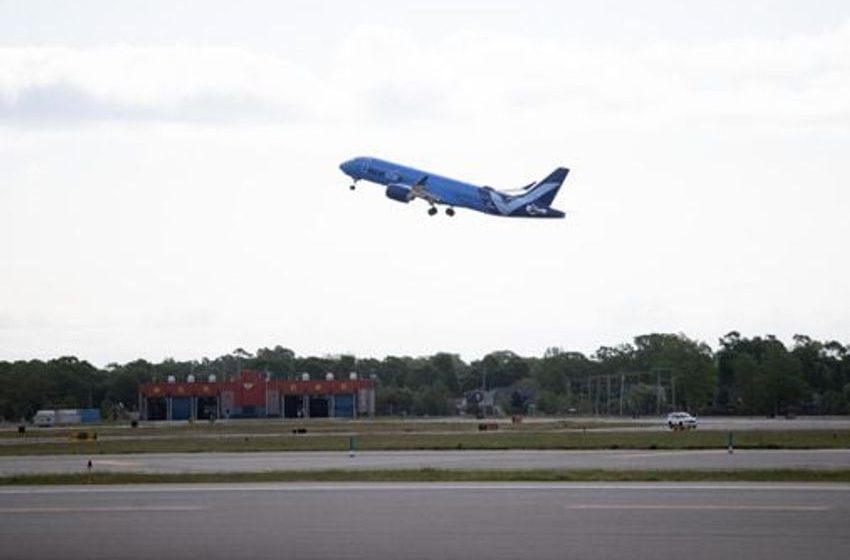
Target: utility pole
column 657, row 393
column 622, row 386
column 673, row 389
column 598, row 390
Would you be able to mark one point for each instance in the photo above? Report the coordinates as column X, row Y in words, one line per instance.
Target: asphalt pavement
column 513, row 459
column 417, row 521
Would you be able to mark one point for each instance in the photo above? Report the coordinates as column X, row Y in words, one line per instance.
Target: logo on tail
column 535, row 201
column 546, row 190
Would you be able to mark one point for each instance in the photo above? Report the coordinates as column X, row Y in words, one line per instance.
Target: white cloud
column 159, row 83
column 390, row 75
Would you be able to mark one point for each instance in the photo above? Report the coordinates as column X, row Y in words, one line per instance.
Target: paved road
column 416, row 521
column 253, row 462
column 739, row 423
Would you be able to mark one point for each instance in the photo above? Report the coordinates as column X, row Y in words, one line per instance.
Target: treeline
column 653, row 374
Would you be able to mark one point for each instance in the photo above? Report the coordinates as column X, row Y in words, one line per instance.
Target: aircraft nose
column 347, row 167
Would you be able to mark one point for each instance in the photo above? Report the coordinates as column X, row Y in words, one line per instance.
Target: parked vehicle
column 44, row 418
column 681, row 421
column 66, row 417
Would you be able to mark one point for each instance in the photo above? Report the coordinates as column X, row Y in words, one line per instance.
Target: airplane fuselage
column 406, row 183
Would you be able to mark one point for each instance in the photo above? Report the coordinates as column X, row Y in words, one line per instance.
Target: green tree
column 760, row 375
column 449, row 368
column 501, row 369
column 278, row 361
column 434, row 400
column 823, row 365
column 560, row 372
column 393, row 401
column 687, row 363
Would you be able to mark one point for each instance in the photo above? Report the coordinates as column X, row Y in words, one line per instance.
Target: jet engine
column 399, row 192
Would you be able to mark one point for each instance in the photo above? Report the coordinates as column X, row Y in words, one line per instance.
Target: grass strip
column 699, row 439
column 439, row 475
column 316, row 426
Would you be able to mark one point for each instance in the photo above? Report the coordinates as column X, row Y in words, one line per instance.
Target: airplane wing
column 420, row 190
column 406, row 192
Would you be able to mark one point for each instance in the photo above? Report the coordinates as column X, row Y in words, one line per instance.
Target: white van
column 44, row 418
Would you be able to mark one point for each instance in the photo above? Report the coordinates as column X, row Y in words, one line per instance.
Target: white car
column 681, row 421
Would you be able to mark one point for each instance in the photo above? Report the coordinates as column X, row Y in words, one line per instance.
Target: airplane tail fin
column 547, row 189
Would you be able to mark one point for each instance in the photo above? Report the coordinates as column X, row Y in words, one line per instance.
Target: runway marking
column 723, row 451
column 424, row 486
column 112, row 463
column 671, row 454
column 695, row 507
column 100, row 509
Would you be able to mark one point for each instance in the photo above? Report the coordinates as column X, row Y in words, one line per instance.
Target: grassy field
column 437, row 475
column 524, row 438
column 315, row 426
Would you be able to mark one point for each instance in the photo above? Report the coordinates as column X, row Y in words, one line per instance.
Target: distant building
column 253, row 395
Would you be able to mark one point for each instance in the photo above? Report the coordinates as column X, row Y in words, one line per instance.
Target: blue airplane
column 406, row 183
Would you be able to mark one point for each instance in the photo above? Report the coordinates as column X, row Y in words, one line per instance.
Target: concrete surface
column 252, row 462
column 417, row 521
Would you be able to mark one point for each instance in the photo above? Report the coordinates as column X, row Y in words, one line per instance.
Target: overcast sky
column 169, row 182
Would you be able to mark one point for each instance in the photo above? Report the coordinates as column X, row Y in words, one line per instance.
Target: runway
column 415, row 521
column 465, row 460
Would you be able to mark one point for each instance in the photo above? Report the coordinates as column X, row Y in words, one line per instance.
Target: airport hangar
column 254, row 395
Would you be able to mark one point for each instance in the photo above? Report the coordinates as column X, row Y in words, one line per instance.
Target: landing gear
column 432, row 211
column 352, row 186
column 450, row 211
